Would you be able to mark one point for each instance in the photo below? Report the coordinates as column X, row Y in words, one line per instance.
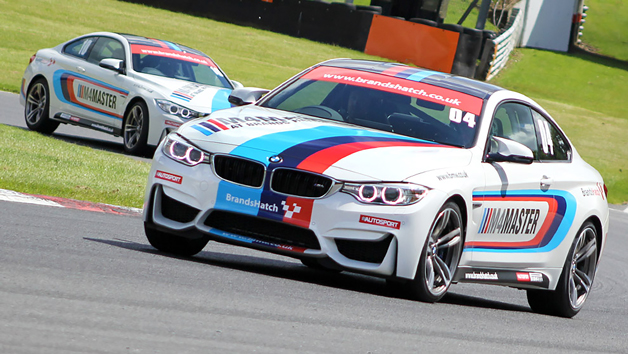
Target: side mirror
column 246, row 95
column 506, row 150
column 112, row 64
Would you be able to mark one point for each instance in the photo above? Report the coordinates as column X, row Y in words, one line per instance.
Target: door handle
column 546, row 182
column 80, row 68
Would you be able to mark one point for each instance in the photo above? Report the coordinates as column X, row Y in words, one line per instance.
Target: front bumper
column 373, row 239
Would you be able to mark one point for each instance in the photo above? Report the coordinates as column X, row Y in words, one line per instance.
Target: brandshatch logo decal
column 295, row 209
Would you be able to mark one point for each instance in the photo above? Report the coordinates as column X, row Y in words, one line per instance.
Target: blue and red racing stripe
column 313, row 150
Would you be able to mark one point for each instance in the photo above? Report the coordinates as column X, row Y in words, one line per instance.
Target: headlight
column 177, row 110
column 181, row 151
column 386, row 193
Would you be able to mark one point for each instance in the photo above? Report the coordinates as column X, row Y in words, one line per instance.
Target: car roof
column 160, row 43
column 469, row 86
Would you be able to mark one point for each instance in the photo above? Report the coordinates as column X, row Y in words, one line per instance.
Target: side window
column 79, row 48
column 106, row 48
column 552, row 145
column 514, row 121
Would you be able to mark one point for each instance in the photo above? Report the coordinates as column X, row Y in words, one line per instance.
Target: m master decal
column 87, row 93
column 561, row 210
column 509, row 221
column 97, row 96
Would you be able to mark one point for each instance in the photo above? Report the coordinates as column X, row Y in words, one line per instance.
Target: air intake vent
column 364, row 251
column 240, row 171
column 177, row 211
column 300, row 183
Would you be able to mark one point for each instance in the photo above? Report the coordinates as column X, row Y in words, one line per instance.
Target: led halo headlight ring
column 177, row 110
column 371, row 190
column 396, row 201
column 182, row 152
column 392, row 194
column 180, row 111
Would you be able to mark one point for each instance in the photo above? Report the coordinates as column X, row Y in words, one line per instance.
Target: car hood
column 339, row 150
column 199, row 97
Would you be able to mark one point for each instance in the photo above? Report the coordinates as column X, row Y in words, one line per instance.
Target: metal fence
column 506, row 42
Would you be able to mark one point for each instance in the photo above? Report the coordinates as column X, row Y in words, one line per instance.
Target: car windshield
column 383, row 102
column 178, row 65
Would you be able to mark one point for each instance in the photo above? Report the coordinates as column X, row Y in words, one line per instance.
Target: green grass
column 38, row 164
column 580, row 79
column 584, row 93
column 606, row 27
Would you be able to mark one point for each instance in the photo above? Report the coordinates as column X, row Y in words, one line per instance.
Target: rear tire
column 177, row 245
column 135, row 129
column 576, row 280
column 37, row 108
column 440, row 255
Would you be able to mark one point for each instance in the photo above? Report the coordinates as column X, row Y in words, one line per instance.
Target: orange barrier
column 408, row 42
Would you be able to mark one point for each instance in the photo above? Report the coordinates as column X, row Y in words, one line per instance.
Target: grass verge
column 37, row 164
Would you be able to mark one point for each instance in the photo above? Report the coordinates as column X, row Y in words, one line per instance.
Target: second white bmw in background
column 135, row 87
column 420, row 177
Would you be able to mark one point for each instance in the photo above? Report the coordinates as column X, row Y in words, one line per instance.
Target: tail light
column 605, row 191
column 32, row 58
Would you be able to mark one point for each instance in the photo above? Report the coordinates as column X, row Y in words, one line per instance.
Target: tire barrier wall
column 422, row 42
column 501, row 47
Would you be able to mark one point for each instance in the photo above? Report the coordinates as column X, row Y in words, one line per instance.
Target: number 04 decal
column 458, row 116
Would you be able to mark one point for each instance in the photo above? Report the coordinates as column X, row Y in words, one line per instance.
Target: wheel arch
column 130, row 104
column 35, row 78
column 461, row 203
column 597, row 223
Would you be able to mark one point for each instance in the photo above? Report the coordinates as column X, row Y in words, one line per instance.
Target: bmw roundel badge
column 275, row 159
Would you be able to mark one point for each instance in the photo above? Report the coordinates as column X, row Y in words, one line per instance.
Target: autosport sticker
column 168, row 177
column 171, row 53
column 87, row 93
column 431, row 93
column 372, row 220
column 546, row 231
column 313, row 150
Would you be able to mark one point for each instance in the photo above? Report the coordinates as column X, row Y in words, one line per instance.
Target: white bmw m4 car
column 422, row 178
column 135, row 87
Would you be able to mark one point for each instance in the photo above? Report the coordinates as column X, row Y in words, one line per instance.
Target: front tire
column 576, row 280
column 37, row 108
column 135, row 129
column 440, row 255
column 177, row 245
